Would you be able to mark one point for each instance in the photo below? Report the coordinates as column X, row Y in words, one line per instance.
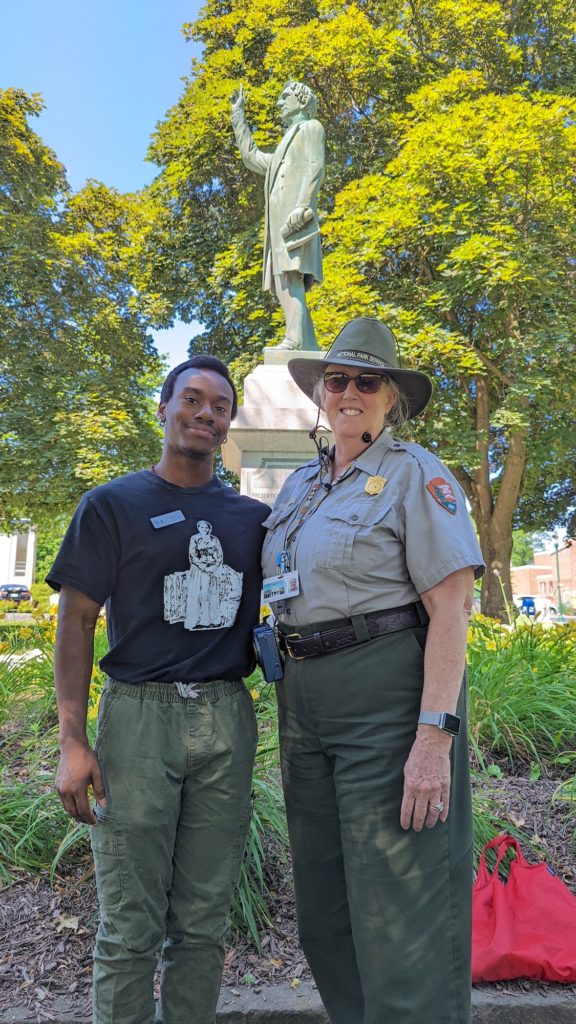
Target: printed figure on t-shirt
column 208, row 595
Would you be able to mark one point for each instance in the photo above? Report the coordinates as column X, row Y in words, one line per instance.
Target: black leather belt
column 353, row 631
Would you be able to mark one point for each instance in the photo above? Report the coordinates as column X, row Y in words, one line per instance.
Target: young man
column 175, row 555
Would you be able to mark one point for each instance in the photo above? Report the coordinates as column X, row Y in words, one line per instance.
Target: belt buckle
column 294, row 636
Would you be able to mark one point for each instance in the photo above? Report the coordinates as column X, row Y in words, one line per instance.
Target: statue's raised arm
column 294, row 172
column 253, row 157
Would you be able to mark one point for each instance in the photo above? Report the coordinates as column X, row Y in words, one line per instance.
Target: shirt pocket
column 351, row 539
column 276, row 529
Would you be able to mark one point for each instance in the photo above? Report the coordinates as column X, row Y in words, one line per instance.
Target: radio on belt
column 267, row 653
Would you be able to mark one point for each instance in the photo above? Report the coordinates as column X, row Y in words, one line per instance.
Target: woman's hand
column 427, row 770
column 426, row 780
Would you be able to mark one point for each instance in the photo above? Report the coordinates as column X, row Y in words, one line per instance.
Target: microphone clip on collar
column 323, row 449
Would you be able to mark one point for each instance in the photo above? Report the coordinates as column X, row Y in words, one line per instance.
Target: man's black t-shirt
column 179, row 569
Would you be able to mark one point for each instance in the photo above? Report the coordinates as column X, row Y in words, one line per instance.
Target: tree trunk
column 496, row 544
column 494, row 515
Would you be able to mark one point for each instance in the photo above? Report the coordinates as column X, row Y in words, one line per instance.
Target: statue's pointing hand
column 237, row 99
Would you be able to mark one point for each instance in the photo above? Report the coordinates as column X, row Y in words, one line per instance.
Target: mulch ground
column 46, row 933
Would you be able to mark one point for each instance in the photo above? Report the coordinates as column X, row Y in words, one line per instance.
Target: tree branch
column 511, row 479
column 464, row 479
column 419, row 41
column 481, row 489
column 452, row 319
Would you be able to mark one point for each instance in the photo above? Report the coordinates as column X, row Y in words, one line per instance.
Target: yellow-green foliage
column 448, row 206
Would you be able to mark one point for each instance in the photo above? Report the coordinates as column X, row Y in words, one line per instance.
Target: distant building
column 17, row 558
column 540, row 580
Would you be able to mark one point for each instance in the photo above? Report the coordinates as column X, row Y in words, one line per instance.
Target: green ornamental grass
column 522, row 706
column 522, row 690
column 37, row 835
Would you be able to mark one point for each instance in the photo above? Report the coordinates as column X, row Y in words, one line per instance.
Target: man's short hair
column 199, row 363
column 306, row 98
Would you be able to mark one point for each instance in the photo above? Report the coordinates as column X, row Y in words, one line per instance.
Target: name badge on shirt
column 278, row 588
column 168, row 519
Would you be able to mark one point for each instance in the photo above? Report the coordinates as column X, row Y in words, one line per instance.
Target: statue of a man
column 294, row 173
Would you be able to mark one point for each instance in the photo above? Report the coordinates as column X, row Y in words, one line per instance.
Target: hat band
column 365, row 357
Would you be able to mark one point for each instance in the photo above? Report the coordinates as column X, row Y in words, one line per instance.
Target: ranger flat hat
column 367, row 344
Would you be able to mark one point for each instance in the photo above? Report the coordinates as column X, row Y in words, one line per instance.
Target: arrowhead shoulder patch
column 442, row 492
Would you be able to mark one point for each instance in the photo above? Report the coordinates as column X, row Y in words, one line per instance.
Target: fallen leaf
column 63, row 922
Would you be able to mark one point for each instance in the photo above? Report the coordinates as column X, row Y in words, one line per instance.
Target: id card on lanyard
column 285, row 584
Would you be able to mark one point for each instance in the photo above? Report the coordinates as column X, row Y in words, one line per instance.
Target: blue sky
column 108, row 71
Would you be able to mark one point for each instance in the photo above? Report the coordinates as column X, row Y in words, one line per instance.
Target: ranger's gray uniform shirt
column 358, row 552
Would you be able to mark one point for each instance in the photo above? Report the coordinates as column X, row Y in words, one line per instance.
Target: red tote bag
column 525, row 927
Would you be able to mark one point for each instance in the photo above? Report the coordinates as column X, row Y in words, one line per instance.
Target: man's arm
column 74, row 653
column 253, row 158
column 427, row 770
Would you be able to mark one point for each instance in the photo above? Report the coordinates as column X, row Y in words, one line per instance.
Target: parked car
column 528, row 606
column 539, row 607
column 14, row 592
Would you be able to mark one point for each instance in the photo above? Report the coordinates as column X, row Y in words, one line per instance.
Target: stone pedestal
column 269, row 437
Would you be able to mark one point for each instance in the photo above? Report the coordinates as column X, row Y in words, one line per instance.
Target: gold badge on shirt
column 374, row 484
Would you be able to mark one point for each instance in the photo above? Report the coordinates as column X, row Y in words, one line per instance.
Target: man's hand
column 426, row 780
column 297, row 219
column 237, row 99
column 79, row 769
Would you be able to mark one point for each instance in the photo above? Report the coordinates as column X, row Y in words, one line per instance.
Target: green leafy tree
column 522, row 548
column 48, row 540
column 77, row 368
column 449, row 210
column 465, row 242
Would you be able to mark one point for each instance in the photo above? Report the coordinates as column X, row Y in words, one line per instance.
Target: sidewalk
column 282, row 1004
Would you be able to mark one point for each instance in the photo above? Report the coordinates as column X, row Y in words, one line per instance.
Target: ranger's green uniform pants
column 384, row 915
column 168, row 846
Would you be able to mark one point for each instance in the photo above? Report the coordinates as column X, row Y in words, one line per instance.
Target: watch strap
column 442, row 720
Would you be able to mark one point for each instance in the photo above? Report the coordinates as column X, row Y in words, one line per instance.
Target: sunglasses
column 366, row 383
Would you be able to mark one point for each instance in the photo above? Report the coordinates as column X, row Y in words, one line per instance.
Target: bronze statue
column 293, row 173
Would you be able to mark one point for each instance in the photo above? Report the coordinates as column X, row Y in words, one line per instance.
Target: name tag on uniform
column 278, row 588
column 168, row 519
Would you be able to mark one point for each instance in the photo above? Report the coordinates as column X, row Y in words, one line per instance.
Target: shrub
column 31, row 828
column 522, row 704
column 490, row 818
column 16, row 606
column 35, row 832
column 522, row 689
column 41, row 594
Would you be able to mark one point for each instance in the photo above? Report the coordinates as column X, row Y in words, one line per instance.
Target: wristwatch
column 442, row 720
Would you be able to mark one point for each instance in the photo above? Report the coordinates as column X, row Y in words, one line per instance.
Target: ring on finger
column 437, row 807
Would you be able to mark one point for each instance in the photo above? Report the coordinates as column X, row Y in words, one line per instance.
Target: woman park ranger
column 380, row 556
